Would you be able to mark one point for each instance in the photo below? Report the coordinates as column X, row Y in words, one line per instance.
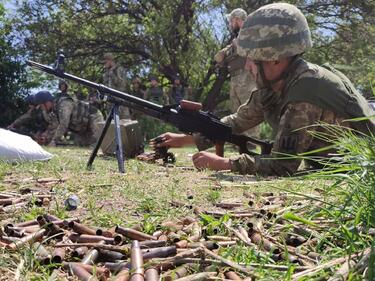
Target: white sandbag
column 19, row 148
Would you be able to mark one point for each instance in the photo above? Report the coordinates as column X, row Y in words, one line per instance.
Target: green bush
column 152, row 127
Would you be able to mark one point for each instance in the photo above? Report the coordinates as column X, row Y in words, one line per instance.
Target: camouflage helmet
column 273, row 32
column 237, row 13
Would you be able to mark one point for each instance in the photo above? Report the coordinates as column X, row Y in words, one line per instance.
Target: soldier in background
column 155, row 92
column 115, row 77
column 178, row 91
column 242, row 84
column 137, row 89
column 95, row 101
column 29, row 100
column 34, row 122
column 77, row 116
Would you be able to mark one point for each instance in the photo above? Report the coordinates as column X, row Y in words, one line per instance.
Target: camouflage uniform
column 242, row 84
column 311, row 94
column 116, row 78
column 34, row 121
column 77, row 116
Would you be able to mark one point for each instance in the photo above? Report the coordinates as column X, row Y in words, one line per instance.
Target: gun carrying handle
column 219, row 147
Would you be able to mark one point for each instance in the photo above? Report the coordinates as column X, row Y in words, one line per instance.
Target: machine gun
column 186, row 120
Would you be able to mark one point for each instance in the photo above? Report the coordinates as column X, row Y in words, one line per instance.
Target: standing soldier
column 177, row 92
column 155, row 92
column 76, row 116
column 242, row 84
column 137, row 89
column 115, row 77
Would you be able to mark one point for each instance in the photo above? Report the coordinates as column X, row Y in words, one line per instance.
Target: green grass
column 143, row 194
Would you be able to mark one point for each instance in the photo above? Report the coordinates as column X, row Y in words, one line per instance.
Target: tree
column 169, row 37
column 12, row 76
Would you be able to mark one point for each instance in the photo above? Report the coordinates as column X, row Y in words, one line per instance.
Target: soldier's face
column 63, row 88
column 107, row 63
column 235, row 25
column 47, row 106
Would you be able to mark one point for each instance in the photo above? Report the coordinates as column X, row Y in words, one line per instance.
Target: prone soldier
column 293, row 96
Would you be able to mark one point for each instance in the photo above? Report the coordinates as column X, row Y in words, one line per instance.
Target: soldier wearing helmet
column 68, row 114
column 114, row 76
column 241, row 82
column 293, row 96
column 34, row 122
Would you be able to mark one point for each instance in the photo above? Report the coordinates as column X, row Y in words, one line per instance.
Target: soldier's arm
column 220, row 55
column 64, row 114
column 247, row 116
column 292, row 138
column 47, row 136
column 24, row 119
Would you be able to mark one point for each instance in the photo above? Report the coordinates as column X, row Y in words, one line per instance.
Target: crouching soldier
column 79, row 117
column 35, row 121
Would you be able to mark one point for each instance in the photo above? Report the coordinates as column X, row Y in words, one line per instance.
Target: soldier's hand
column 219, row 57
column 206, row 160
column 173, row 140
column 40, row 138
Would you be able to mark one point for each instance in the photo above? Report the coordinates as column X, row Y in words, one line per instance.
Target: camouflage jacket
column 115, row 78
column 33, row 120
column 292, row 123
column 68, row 115
column 228, row 57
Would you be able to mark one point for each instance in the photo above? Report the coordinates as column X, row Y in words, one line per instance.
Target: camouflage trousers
column 91, row 134
column 241, row 86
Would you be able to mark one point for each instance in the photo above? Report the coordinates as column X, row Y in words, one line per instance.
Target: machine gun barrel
column 187, row 121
